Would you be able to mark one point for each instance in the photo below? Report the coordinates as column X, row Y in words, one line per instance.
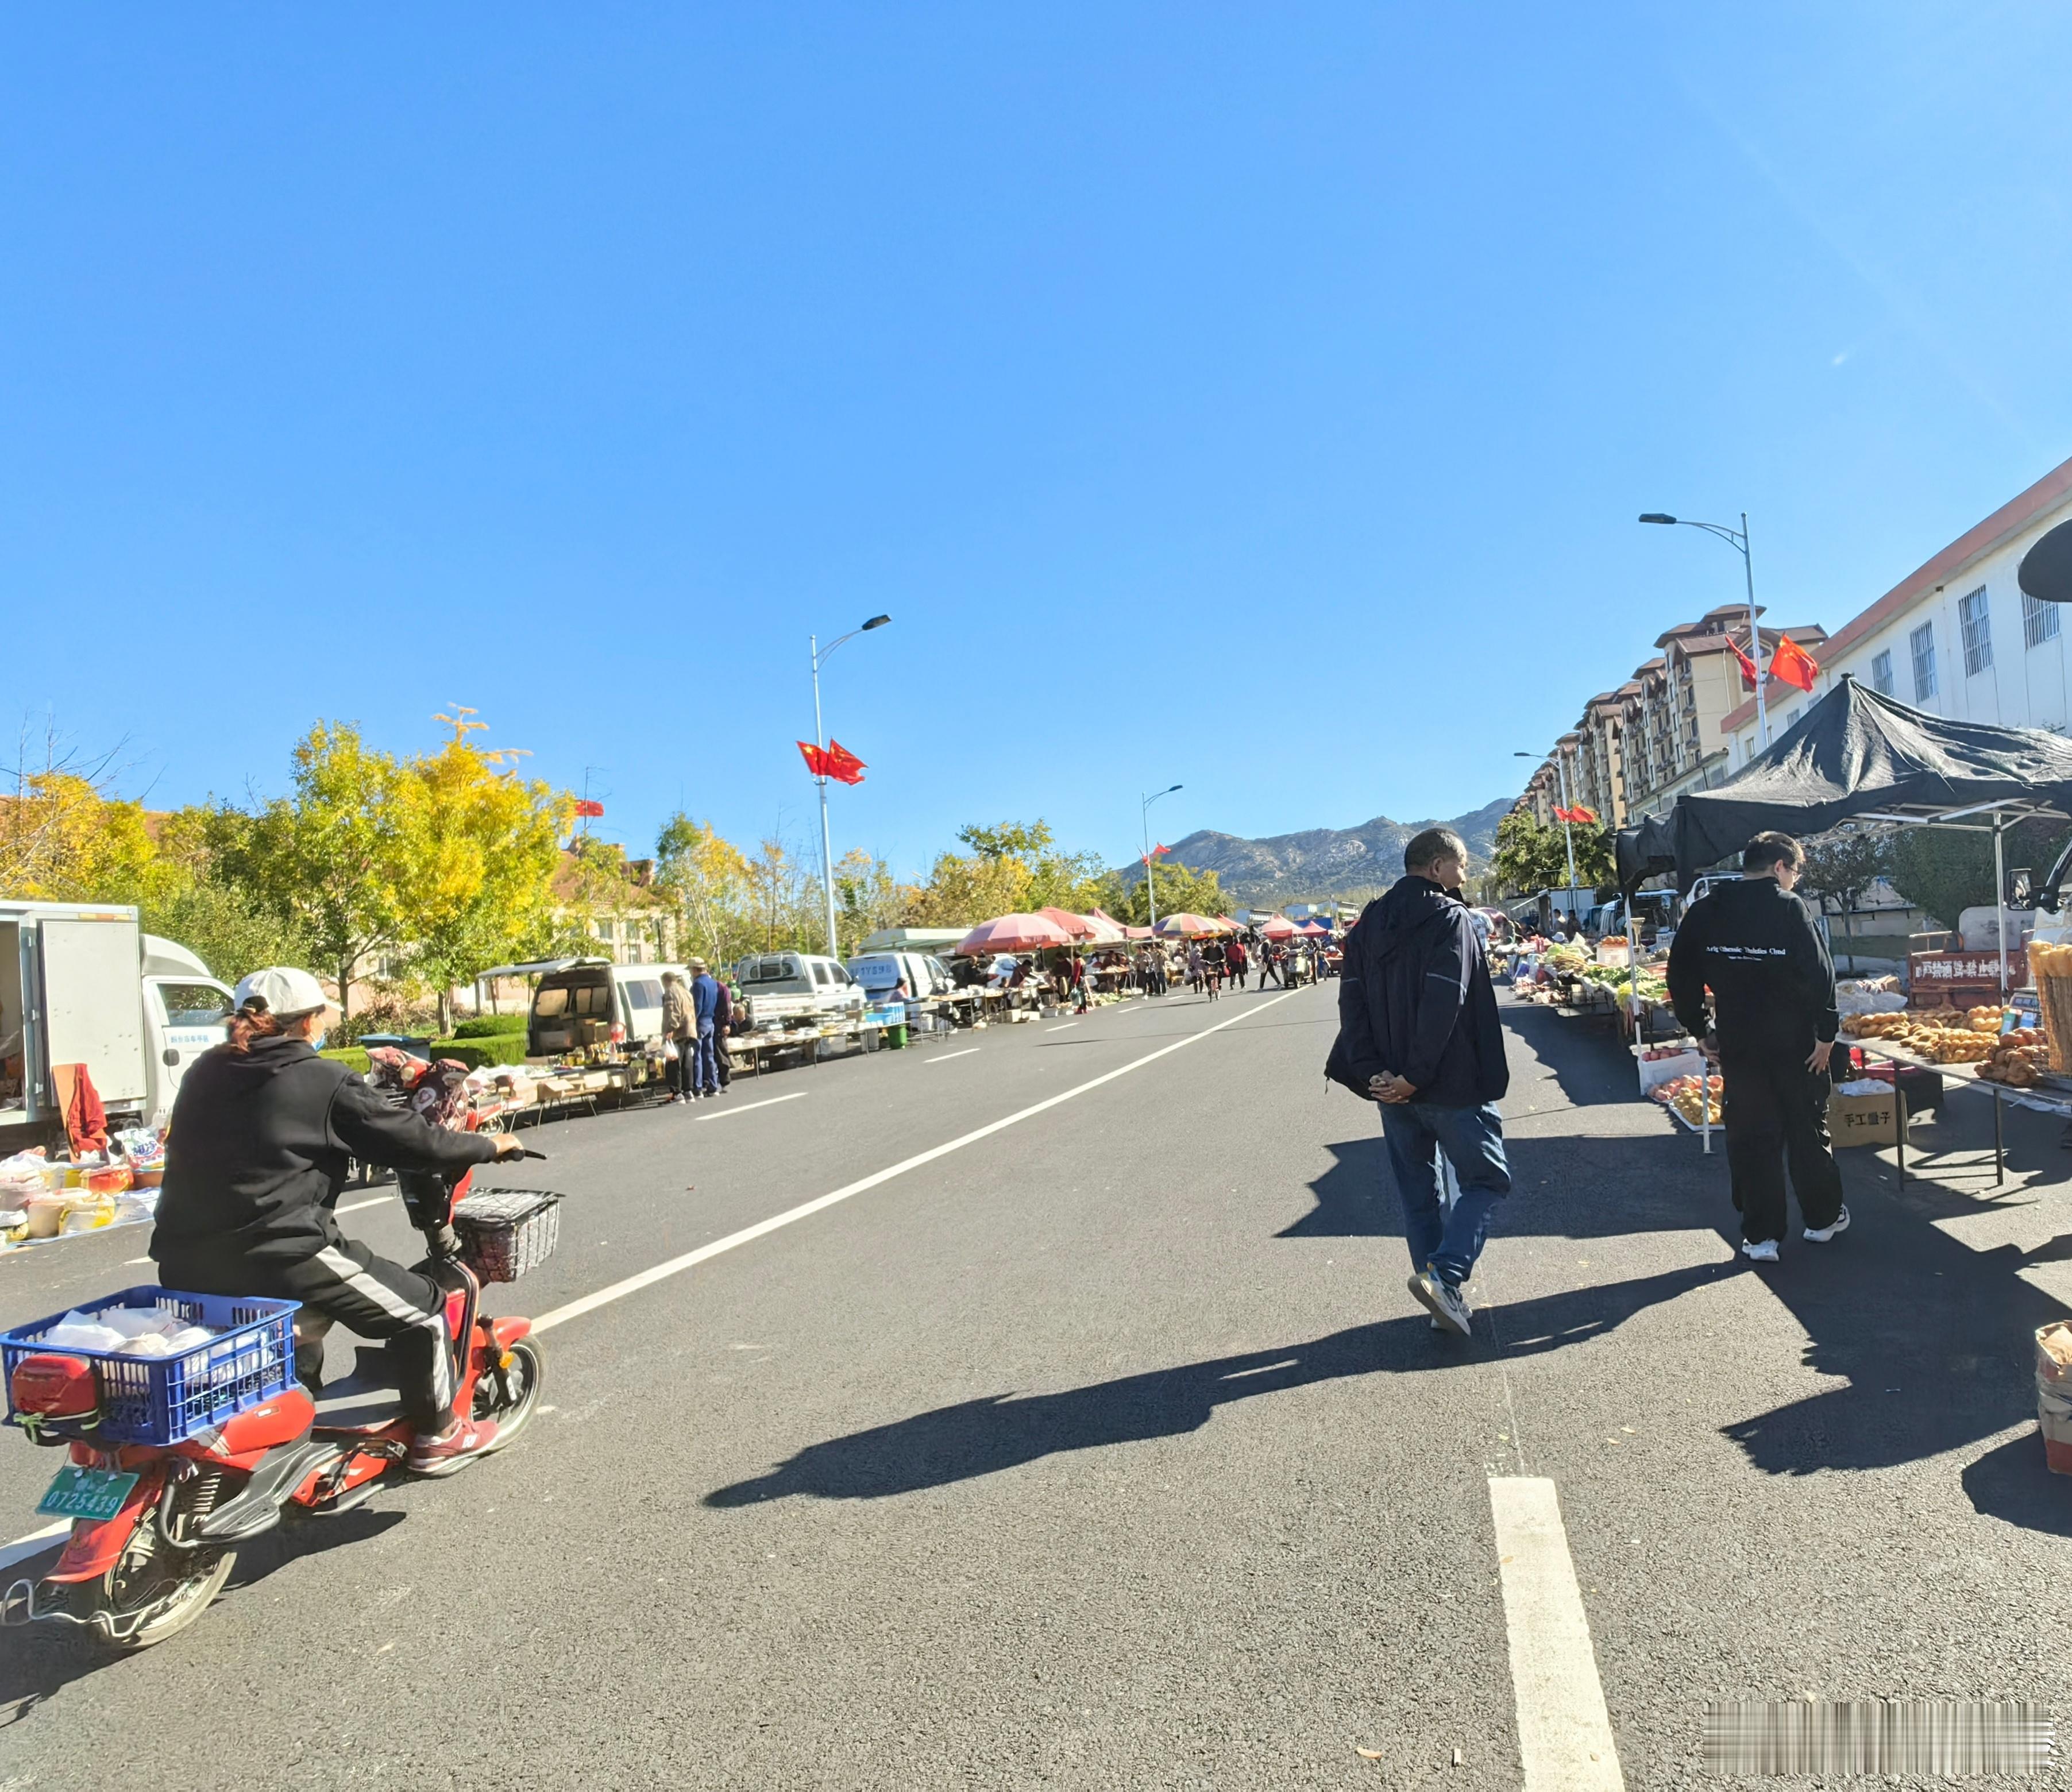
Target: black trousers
column 1776, row 1113
column 683, row 1067
column 348, row 1284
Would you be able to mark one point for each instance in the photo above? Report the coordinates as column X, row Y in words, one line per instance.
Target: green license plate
column 86, row 1493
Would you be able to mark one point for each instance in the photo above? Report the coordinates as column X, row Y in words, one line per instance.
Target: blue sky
column 1259, row 398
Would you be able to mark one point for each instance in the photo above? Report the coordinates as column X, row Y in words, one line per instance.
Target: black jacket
column 1773, row 983
column 258, row 1148
column 1415, row 1000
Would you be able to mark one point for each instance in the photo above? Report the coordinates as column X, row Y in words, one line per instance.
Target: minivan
column 579, row 1002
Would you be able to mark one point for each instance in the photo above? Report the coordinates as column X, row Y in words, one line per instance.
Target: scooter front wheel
column 510, row 1393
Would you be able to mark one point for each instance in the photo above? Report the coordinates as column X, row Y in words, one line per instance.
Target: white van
column 882, row 973
column 580, row 1000
column 780, row 989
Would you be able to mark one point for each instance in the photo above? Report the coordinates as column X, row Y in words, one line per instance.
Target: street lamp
column 826, row 846
column 1144, row 822
column 1562, row 765
column 1739, row 538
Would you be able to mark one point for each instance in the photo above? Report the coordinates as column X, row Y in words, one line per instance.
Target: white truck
column 788, row 990
column 82, row 984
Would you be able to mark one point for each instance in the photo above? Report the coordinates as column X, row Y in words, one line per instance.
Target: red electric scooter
column 165, row 1520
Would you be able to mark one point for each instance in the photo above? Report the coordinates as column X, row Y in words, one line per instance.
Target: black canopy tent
column 1857, row 755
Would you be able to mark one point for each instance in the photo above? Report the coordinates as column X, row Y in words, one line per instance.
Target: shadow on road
column 999, row 1431
column 40, row 1660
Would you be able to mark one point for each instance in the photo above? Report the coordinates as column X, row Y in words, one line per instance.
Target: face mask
column 317, row 1041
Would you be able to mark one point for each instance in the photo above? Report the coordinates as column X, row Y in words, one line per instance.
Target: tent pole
column 2000, row 930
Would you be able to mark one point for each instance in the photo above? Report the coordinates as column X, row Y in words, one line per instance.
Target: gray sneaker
column 1449, row 1306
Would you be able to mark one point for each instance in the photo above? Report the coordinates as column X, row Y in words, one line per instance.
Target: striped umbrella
column 1012, row 933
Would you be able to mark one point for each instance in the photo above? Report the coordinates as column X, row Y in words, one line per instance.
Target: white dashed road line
column 750, row 1107
column 947, row 1055
column 34, row 1543
column 1564, row 1732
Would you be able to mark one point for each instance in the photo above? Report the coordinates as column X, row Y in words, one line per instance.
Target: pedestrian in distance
column 723, row 1026
column 1419, row 1033
column 679, row 1027
column 705, row 999
column 1773, row 1028
column 1197, row 967
column 1234, row 956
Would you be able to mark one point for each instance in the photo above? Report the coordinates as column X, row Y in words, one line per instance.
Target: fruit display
column 2020, row 1058
column 1690, row 1096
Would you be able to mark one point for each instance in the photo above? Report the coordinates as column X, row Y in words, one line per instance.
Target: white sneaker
column 1449, row 1306
column 1826, row 1232
column 1760, row 1250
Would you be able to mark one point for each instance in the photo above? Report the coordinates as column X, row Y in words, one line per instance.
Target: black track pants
column 369, row 1295
column 1776, row 1112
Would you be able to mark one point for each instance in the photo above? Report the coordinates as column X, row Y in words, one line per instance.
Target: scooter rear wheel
column 155, row 1592
column 511, row 1395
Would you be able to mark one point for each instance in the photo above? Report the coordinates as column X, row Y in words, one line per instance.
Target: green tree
column 1944, row 872
column 327, row 860
column 1532, row 855
column 707, row 881
column 1181, row 890
column 1841, row 865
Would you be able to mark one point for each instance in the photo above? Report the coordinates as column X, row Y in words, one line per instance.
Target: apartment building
column 1957, row 636
column 1640, row 747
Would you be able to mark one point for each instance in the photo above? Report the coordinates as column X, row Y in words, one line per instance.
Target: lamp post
column 1567, row 839
column 1150, row 870
column 1738, row 539
column 826, row 846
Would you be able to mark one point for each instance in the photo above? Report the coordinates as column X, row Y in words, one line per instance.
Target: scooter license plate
column 96, row 1494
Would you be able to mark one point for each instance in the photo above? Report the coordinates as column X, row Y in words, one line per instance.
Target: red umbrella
column 1315, row 929
column 1078, row 926
column 1280, row 927
column 1012, row 933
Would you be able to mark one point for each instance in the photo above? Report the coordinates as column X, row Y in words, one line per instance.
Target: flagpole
column 1150, row 877
column 827, row 840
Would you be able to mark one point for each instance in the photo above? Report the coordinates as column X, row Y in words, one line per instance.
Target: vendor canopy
column 1854, row 753
column 1012, row 933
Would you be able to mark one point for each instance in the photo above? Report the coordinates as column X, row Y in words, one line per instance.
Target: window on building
column 1978, row 632
column 2039, row 621
column 1922, row 642
column 1881, row 678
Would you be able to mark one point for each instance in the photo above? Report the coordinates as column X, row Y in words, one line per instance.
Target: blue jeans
column 705, row 1068
column 1472, row 1138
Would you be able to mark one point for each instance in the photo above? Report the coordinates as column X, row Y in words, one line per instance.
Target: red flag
column 844, row 766
column 1793, row 664
column 585, row 805
column 1747, row 666
column 1156, row 851
column 816, row 758
column 1586, row 816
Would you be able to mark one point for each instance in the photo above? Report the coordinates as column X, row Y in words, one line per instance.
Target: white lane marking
column 1064, row 1027
column 947, row 1056
column 676, row 1266
column 750, row 1107
column 34, row 1543
column 1564, row 1732
column 354, row 1207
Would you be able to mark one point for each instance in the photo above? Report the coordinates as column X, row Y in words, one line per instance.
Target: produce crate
column 164, row 1399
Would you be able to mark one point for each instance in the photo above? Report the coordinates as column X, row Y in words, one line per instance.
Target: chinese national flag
column 816, row 758
column 842, row 766
column 1747, row 666
column 587, row 805
column 1580, row 814
column 1793, row 664
column 1157, row 852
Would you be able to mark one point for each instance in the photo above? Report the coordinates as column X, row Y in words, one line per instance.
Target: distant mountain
column 1323, row 862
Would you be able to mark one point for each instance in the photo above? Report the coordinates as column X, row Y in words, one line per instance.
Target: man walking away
column 1234, row 955
column 1774, row 1026
column 1418, row 1033
column 705, row 999
column 680, row 1026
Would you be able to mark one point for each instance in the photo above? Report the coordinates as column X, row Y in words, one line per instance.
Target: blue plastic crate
column 163, row 1399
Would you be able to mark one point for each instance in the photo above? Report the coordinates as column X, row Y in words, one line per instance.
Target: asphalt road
column 1106, row 1449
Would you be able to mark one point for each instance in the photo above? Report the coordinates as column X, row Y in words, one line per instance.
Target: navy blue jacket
column 1415, row 1000
column 705, row 998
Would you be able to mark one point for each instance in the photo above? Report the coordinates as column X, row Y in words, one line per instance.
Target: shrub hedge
column 354, row 1057
column 485, row 1026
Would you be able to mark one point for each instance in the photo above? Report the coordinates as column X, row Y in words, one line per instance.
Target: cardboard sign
column 1963, row 980
column 1863, row 1119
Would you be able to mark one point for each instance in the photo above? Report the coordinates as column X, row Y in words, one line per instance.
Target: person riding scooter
column 262, row 1130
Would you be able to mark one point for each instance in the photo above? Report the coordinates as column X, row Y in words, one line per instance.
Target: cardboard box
column 1863, row 1119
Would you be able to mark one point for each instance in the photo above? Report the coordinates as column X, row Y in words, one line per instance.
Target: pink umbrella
column 1012, row 933
column 1078, row 926
column 1315, row 929
column 1280, row 927
column 1107, row 929
column 1189, row 925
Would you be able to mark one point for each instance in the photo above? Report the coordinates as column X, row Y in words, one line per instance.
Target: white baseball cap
column 282, row 990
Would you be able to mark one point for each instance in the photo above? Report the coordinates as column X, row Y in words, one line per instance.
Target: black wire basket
column 504, row 1232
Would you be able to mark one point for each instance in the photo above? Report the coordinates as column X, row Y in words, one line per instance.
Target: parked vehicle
column 785, row 988
column 1654, row 908
column 174, row 1461
column 1552, row 902
column 882, row 973
column 589, row 1001
column 82, row 984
